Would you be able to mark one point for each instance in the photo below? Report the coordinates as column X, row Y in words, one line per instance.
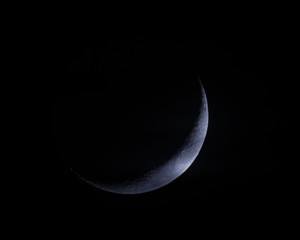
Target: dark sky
column 239, row 164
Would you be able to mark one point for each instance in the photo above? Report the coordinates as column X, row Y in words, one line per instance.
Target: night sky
column 238, row 166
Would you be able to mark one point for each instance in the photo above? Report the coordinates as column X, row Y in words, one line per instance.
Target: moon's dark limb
column 147, row 146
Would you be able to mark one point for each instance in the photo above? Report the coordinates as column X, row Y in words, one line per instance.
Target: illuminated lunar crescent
column 170, row 169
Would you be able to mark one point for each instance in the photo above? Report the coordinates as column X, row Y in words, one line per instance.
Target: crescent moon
column 170, row 170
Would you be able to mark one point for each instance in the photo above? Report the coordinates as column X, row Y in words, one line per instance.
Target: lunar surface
column 149, row 145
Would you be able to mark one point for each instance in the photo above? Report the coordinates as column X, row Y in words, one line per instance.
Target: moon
column 169, row 169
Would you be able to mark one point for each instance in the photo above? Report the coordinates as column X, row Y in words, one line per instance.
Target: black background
column 239, row 164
